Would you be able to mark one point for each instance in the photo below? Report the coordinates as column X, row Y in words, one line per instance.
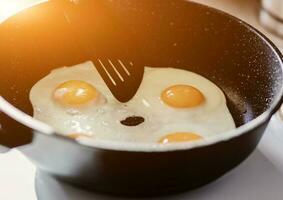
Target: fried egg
column 171, row 105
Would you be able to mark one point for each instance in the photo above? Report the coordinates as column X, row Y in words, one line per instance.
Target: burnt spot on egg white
column 132, row 121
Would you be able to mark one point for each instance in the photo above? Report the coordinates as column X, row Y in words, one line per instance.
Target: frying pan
column 169, row 33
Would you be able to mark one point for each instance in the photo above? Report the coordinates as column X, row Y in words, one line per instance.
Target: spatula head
column 105, row 37
column 123, row 77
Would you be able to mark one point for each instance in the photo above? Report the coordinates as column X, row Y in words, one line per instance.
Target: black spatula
column 109, row 44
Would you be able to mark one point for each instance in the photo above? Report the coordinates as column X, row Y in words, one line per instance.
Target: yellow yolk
column 76, row 135
column 75, row 93
column 182, row 96
column 179, row 137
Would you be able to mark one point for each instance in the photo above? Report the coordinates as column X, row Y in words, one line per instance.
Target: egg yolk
column 76, row 135
column 182, row 96
column 179, row 137
column 75, row 93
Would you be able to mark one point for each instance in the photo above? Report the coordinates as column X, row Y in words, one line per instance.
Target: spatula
column 109, row 44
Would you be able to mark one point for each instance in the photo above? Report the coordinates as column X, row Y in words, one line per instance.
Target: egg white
column 101, row 121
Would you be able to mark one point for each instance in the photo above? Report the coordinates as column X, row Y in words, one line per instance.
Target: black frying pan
column 175, row 33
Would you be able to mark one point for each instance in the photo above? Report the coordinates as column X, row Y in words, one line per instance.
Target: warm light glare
column 11, row 7
column 7, row 8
